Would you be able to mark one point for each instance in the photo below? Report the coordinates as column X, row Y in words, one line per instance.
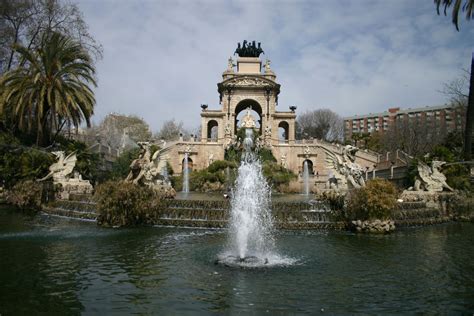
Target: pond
column 61, row 266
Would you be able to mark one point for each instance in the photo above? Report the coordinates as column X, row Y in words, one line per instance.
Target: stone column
column 203, row 130
column 291, row 132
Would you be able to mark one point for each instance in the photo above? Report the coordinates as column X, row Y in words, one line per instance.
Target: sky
column 163, row 59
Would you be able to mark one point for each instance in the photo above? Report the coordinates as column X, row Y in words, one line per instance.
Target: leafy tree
column 457, row 6
column 467, row 7
column 170, row 130
column 322, row 124
column 23, row 21
column 122, row 131
column 52, row 90
column 457, row 91
column 121, row 166
column 469, row 115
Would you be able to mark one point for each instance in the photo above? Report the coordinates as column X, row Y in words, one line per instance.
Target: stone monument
column 145, row 170
column 62, row 174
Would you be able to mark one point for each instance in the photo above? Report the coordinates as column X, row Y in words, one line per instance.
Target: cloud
column 164, row 58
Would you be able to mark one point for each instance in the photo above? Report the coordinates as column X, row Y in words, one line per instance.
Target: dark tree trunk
column 469, row 116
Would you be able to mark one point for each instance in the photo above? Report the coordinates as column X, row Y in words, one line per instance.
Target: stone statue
column 431, row 179
column 141, row 169
column 268, row 131
column 230, row 65
column 249, row 50
column 346, row 172
column 267, row 66
column 61, row 172
column 283, row 160
column 210, row 159
column 248, row 121
column 62, row 168
column 145, row 171
column 188, row 148
column 227, row 131
column 307, row 151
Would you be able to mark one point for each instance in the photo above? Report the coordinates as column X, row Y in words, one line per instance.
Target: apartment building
column 445, row 117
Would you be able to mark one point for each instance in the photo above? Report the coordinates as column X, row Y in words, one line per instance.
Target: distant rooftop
column 393, row 111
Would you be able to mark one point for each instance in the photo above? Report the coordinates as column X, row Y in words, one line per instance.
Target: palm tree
column 467, row 7
column 456, row 4
column 52, row 89
column 469, row 116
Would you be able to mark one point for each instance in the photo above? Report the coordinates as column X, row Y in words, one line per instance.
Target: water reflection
column 65, row 267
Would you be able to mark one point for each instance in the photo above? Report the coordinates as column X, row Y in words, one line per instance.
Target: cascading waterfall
column 251, row 242
column 185, row 174
column 305, row 178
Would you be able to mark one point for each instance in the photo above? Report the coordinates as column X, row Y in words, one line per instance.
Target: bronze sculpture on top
column 249, row 49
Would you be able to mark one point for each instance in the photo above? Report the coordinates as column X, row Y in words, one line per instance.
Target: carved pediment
column 248, row 81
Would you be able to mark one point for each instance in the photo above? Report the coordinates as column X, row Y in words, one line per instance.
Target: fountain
column 305, row 178
column 185, row 174
column 251, row 242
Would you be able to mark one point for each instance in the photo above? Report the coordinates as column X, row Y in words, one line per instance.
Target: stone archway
column 310, row 167
column 255, row 107
column 283, row 132
column 212, row 131
column 190, row 164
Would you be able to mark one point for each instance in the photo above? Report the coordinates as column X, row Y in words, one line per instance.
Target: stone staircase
column 78, row 206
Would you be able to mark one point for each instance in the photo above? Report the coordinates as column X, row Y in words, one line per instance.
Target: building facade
column 445, row 118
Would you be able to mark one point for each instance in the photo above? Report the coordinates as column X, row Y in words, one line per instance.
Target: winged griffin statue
column 62, row 173
column 146, row 169
column 61, row 169
column 430, row 178
column 143, row 169
column 346, row 172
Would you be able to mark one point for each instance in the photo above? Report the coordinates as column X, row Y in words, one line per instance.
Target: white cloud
column 163, row 58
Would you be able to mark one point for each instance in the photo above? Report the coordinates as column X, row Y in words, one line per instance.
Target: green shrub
column 19, row 163
column 124, row 203
column 276, row 174
column 265, row 154
column 219, row 165
column 335, row 200
column 26, row 195
column 374, row 201
column 177, row 183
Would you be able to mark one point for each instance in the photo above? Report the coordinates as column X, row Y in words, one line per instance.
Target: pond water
column 62, row 266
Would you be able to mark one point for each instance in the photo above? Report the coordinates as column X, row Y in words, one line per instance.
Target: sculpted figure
column 307, row 150
column 345, row 170
column 267, row 66
column 283, row 160
column 230, row 64
column 211, row 159
column 268, row 131
column 62, row 173
column 249, row 50
column 431, row 178
column 248, row 121
column 142, row 169
column 227, row 130
column 61, row 169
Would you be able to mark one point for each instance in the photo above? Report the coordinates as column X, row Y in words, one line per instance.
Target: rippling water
column 59, row 266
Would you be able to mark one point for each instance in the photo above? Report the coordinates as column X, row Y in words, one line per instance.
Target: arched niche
column 283, row 132
column 190, row 164
column 255, row 110
column 212, row 131
column 310, row 166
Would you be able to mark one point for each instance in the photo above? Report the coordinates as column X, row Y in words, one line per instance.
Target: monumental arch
column 250, row 85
